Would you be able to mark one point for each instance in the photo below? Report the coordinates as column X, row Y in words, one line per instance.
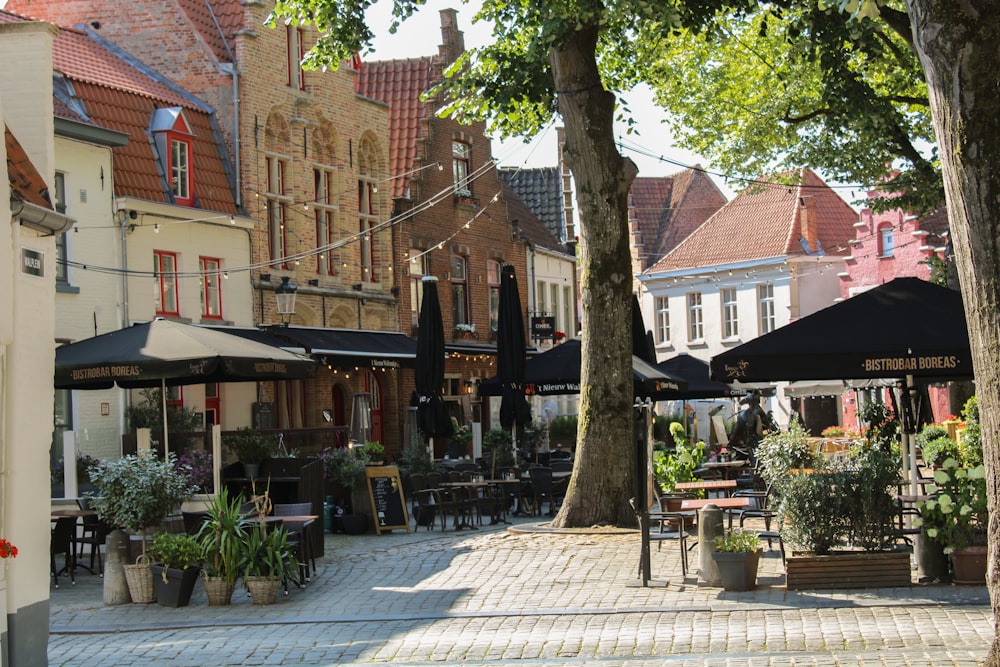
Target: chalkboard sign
column 385, row 490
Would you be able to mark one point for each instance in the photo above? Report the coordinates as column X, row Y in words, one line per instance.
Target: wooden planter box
column 848, row 570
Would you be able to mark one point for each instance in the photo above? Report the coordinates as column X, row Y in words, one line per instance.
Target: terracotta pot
column 969, row 565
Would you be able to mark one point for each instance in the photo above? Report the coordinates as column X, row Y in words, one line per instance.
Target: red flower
column 7, row 550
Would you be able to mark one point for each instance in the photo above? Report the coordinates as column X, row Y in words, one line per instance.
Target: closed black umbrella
column 510, row 352
column 432, row 417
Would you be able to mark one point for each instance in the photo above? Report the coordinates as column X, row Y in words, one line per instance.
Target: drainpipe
column 232, row 70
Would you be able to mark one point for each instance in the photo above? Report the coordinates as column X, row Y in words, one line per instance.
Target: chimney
column 452, row 39
column 807, row 224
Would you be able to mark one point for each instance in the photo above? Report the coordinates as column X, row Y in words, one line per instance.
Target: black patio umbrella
column 642, row 339
column 557, row 371
column 510, row 352
column 164, row 353
column 432, row 416
column 906, row 327
column 694, row 371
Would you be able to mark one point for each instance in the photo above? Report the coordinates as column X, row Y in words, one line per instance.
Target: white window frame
column 419, row 267
column 765, row 310
column 461, row 167
column 730, row 313
column 460, row 290
column 886, row 241
column 662, row 318
column 696, row 322
column 277, row 202
column 324, row 187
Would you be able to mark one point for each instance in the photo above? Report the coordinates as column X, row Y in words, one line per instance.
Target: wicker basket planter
column 848, row 570
column 263, row 590
column 218, row 590
column 139, row 578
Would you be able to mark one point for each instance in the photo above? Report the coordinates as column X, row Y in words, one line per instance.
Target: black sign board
column 385, row 491
column 543, row 326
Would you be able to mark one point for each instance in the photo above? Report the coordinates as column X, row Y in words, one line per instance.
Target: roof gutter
column 40, row 219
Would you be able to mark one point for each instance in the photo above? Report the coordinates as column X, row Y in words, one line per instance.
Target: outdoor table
column 722, row 503
column 727, row 467
column 497, row 486
column 711, row 485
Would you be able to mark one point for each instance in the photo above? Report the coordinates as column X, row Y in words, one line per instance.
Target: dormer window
column 175, row 145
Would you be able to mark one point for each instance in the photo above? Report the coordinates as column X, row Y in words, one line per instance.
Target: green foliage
column 956, row 514
column 178, row 552
column 804, row 84
column 882, row 427
column 500, row 444
column 846, row 499
column 930, row 432
column 373, row 451
column 342, row 466
column 249, row 445
column 137, row 492
column 672, row 467
column 939, row 449
column 563, row 426
column 737, row 541
column 222, row 538
column 268, row 553
column 414, row 460
column 84, row 463
column 780, row 451
column 148, row 413
column 970, row 438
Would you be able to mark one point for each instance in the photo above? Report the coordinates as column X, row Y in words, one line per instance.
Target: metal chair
column 63, row 536
column 298, row 535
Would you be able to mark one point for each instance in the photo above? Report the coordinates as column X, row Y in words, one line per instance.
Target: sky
column 421, row 34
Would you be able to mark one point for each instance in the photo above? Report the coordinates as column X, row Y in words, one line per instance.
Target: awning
column 340, row 347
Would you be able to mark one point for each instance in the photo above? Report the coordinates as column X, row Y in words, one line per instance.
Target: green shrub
column 178, row 552
column 737, row 541
column 251, row 446
column 970, row 439
column 673, row 467
column 781, row 451
column 938, row 450
column 563, row 427
column 499, row 444
column 930, row 432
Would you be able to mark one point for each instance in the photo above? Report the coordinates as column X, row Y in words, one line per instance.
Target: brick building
column 311, row 161
column 454, row 220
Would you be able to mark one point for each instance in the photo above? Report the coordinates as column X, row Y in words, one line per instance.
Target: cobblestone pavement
column 490, row 597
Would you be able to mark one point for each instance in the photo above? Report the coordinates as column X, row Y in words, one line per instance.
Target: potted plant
column 176, row 563
column 673, row 467
column 222, row 539
column 270, row 560
column 839, row 512
column 251, row 448
column 498, row 443
column 737, row 555
column 373, row 453
column 955, row 517
column 346, row 470
column 458, row 442
column 137, row 492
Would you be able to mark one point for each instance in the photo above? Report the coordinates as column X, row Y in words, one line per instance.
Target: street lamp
column 284, row 294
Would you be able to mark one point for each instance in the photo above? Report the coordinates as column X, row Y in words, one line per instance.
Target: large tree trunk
column 602, row 480
column 957, row 44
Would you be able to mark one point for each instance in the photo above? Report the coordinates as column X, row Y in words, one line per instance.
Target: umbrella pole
column 163, row 402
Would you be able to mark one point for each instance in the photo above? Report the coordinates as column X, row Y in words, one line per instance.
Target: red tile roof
column 118, row 96
column 399, row 84
column 203, row 15
column 665, row 210
column 764, row 221
column 25, row 182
